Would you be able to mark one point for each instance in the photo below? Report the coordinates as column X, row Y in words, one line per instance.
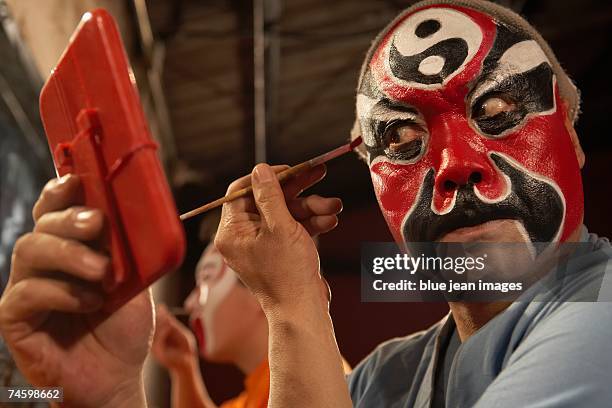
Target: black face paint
column 378, row 128
column 505, row 37
column 368, row 86
column 407, row 150
column 427, row 28
column 530, row 91
column 535, row 203
column 454, row 51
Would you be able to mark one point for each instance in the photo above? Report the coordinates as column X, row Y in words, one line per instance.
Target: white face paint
column 369, row 109
column 519, row 58
column 417, row 37
column 432, row 65
column 214, row 281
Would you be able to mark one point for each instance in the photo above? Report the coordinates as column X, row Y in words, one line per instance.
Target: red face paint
column 214, row 282
column 198, row 328
column 434, row 71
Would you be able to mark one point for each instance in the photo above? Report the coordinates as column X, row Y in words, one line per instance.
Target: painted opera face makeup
column 463, row 124
column 214, row 282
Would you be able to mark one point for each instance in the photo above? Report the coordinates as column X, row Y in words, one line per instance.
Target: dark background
column 315, row 49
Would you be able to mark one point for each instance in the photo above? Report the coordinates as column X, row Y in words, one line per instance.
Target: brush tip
column 356, row 142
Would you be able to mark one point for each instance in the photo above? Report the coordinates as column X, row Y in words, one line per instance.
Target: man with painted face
column 229, row 326
column 467, row 121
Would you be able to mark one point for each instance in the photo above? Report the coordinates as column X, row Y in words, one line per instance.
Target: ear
column 574, row 137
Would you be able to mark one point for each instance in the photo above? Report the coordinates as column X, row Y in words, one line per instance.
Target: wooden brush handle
column 282, row 176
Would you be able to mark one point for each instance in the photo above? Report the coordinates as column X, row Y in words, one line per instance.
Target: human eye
column 496, row 112
column 404, row 139
column 493, row 105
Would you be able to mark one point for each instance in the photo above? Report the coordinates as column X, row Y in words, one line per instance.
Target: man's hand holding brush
column 266, row 239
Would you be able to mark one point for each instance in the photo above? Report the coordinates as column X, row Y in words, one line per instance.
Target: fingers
column 270, row 199
column 162, row 311
column 245, row 204
column 320, row 224
column 306, row 207
column 317, row 214
column 303, row 180
column 291, row 188
column 162, row 324
column 78, row 223
column 29, row 297
column 171, row 334
column 58, row 194
column 164, row 318
column 245, row 181
column 37, row 252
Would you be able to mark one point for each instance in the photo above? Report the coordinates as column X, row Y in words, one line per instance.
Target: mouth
column 484, row 232
column 198, row 329
column 472, row 225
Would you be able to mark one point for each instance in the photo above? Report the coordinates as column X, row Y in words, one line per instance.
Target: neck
column 253, row 351
column 470, row 317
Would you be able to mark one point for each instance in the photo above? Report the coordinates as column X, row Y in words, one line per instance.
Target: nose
column 460, row 159
column 460, row 168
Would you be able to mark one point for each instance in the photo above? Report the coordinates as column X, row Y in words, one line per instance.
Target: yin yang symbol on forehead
column 432, row 46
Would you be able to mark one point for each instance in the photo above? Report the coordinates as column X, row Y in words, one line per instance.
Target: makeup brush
column 282, row 176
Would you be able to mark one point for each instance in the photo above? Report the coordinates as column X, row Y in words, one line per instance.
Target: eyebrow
column 388, row 104
column 386, row 110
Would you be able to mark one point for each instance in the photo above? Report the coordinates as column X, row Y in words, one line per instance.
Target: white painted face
column 214, row 282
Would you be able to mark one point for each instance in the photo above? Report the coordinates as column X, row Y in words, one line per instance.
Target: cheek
column 231, row 320
column 213, row 311
column 544, row 147
column 397, row 187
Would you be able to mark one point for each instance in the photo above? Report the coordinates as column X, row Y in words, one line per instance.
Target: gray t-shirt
column 551, row 348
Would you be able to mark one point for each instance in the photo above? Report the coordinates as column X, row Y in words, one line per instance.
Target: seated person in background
column 230, row 327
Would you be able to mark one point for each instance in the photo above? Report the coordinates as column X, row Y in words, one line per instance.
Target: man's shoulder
column 574, row 320
column 585, row 276
column 400, row 357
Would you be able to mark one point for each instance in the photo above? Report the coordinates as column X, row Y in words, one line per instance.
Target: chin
column 503, row 230
column 215, row 355
column 210, row 355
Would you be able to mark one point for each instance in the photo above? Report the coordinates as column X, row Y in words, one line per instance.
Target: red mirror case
column 96, row 128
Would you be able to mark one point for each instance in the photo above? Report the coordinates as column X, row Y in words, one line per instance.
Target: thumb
column 270, row 199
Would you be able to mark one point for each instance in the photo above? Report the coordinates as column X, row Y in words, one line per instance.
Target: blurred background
column 226, row 84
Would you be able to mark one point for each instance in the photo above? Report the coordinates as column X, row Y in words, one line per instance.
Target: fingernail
column 63, row 179
column 95, row 262
column 85, row 215
column 263, row 173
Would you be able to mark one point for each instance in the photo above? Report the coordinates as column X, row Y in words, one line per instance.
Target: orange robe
column 256, row 390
